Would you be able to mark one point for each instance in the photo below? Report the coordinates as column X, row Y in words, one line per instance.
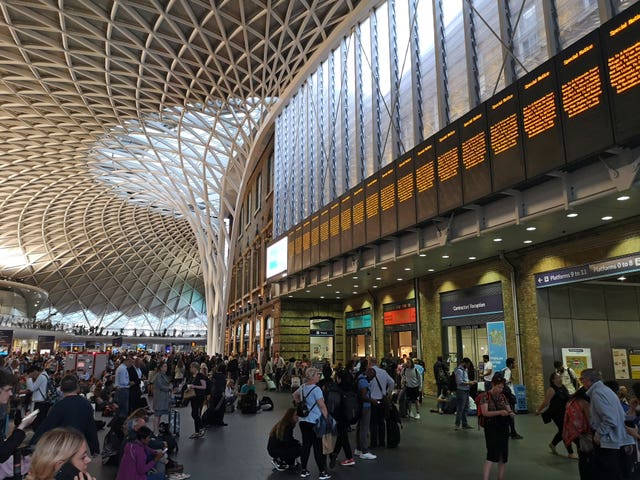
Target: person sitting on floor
column 283, row 448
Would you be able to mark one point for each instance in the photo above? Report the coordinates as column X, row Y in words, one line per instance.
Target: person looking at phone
column 138, row 459
column 61, row 454
column 9, row 444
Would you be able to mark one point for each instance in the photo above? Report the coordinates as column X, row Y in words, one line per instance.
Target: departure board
column 476, row 166
column 315, row 239
column 542, row 131
column 358, row 216
column 388, row 212
column 335, row 248
column 372, row 207
column 298, row 248
column 346, row 224
column 405, row 191
column 505, row 139
column 584, row 105
column 621, row 47
column 291, row 251
column 448, row 177
column 306, row 243
column 324, row 234
column 424, row 159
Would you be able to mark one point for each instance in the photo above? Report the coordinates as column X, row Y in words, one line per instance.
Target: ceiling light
column 375, row 286
column 431, row 270
column 472, row 258
column 378, row 278
column 622, row 278
column 355, row 293
column 622, row 198
column 528, row 241
column 290, row 296
column 399, row 279
column 572, row 215
column 355, row 286
column 355, row 278
column 497, row 239
column 407, row 269
column 321, row 296
column 329, row 284
column 445, row 256
column 383, row 268
column 607, row 217
column 308, row 291
column 530, row 229
column 337, row 298
column 422, row 255
column 337, row 291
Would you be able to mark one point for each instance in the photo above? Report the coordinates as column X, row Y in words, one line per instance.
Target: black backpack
column 452, row 384
column 351, row 407
column 333, row 398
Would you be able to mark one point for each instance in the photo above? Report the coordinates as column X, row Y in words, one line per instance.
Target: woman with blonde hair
column 60, row 450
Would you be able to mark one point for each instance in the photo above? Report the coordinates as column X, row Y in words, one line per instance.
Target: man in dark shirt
column 72, row 411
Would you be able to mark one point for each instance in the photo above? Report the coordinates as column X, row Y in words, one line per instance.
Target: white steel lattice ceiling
column 125, row 130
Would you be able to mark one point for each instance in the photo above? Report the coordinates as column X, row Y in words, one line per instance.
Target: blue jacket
column 607, row 417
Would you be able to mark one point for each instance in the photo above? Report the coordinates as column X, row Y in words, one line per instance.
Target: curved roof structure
column 126, row 128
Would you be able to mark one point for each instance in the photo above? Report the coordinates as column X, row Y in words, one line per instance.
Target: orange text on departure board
column 372, row 205
column 388, row 197
column 345, row 217
column 448, row 164
column 474, row 151
column 299, row 244
column 425, row 177
column 624, row 68
column 305, row 241
column 405, row 187
column 334, row 226
column 324, row 231
column 540, row 115
column 358, row 213
column 315, row 236
column 582, row 93
column 504, row 134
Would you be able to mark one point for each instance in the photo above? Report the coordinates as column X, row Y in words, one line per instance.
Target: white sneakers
column 368, row 456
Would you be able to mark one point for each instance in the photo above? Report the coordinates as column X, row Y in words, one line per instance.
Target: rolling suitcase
column 271, row 385
column 174, row 423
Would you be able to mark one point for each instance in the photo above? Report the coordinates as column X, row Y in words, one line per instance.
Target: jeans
column 121, row 397
column 363, row 430
column 462, row 405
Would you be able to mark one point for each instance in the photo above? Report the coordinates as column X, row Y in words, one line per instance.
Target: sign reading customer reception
column 589, row 271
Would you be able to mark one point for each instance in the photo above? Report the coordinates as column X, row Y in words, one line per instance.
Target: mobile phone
column 67, row 472
column 31, row 415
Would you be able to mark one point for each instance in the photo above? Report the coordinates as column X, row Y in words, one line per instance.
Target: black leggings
column 343, row 441
column 558, row 437
column 309, row 439
column 196, row 410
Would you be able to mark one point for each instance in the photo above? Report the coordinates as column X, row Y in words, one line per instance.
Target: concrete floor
column 429, row 448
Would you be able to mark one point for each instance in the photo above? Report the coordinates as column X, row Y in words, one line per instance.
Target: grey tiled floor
column 429, row 449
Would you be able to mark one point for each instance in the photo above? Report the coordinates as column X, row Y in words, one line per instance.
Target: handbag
column 328, row 443
column 188, row 394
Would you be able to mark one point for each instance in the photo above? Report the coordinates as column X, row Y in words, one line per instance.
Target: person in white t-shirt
column 487, row 372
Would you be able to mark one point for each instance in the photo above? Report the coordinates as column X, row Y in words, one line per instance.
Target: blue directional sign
column 590, row 271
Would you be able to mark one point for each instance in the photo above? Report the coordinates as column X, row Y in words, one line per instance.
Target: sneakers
column 573, row 456
column 357, row 452
column 277, row 465
column 417, row 416
column 348, row 462
column 178, row 476
column 368, row 456
column 194, row 435
column 304, row 473
column 552, row 447
column 324, row 476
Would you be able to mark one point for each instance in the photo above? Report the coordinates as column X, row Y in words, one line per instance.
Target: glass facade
column 403, row 73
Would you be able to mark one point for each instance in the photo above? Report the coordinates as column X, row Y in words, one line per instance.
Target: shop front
column 321, row 339
column 359, row 333
column 400, row 328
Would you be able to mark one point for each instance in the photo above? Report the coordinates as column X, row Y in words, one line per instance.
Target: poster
column 577, row 359
column 634, row 364
column 497, row 339
column 620, row 364
column 6, row 339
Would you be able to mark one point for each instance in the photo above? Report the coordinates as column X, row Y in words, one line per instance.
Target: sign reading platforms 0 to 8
column 621, row 44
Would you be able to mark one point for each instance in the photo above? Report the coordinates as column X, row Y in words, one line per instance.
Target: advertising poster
column 634, row 363
column 577, row 358
column 620, row 364
column 497, row 338
column 6, row 339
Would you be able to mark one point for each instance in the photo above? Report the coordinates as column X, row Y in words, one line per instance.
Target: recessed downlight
column 407, row 269
column 422, row 255
column 445, row 256
column 497, row 239
column 355, row 278
column 622, row 278
column 356, row 286
column 329, row 284
column 337, row 291
column 607, row 217
column 430, row 270
column 622, row 198
column 572, row 215
column 355, row 293
column 399, row 279
column 528, row 241
column 321, row 296
column 308, row 291
column 375, row 286
column 378, row 278
column 383, row 268
column 531, row 229
column 472, row 258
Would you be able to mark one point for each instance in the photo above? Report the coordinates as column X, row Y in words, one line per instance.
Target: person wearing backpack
column 345, row 384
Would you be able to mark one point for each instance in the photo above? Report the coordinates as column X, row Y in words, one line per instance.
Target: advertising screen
column 277, row 257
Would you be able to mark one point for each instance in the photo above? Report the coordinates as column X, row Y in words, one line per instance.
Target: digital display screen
column 324, row 234
column 388, row 217
column 426, row 196
column 372, row 208
column 298, row 248
column 357, row 208
column 476, row 166
column 334, row 229
column 621, row 45
column 315, row 240
column 448, row 178
column 346, row 223
column 291, row 252
column 405, row 191
column 505, row 139
column 399, row 313
column 306, row 243
column 542, row 133
column 585, row 109
column 277, row 257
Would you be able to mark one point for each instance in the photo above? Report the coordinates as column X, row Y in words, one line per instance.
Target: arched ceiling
column 125, row 128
